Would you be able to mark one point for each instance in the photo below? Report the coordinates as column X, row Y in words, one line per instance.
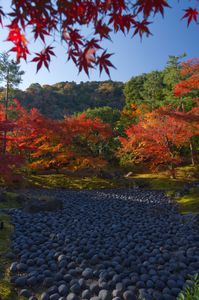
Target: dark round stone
column 48, row 282
column 75, row 288
column 94, row 288
column 63, row 290
column 171, row 283
column 21, row 281
column 86, row 294
column 87, row 273
column 52, row 290
column 105, row 295
column 32, row 281
column 54, row 296
column 72, row 296
column 129, row 295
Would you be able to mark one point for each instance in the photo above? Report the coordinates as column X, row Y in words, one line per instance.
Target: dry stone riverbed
column 103, row 245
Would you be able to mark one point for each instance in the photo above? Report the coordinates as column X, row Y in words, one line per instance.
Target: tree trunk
column 6, row 116
column 192, row 152
column 173, row 172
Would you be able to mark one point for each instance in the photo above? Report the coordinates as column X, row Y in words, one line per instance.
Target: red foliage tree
column 189, row 85
column 66, row 20
column 11, row 158
column 156, row 140
column 71, row 143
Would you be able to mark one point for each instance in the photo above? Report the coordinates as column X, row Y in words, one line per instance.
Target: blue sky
column 132, row 56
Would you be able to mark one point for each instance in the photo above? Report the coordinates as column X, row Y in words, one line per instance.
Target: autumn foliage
column 160, row 139
column 42, row 143
column 190, row 79
column 81, row 26
column 157, row 140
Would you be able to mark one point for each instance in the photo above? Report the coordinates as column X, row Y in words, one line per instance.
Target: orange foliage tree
column 156, row 140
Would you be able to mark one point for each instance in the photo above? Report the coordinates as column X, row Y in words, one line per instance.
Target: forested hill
column 66, row 98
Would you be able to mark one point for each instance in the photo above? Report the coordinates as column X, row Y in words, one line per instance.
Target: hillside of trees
column 153, row 89
column 67, row 98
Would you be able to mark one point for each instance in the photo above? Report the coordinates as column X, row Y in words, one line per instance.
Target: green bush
column 191, row 291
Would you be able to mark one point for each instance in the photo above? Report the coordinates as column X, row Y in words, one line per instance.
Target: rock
column 21, row 281
column 63, row 290
column 129, row 295
column 105, row 295
column 48, row 281
column 86, row 294
column 87, row 273
column 21, row 267
column 25, row 293
column 94, row 288
column 75, row 288
column 32, row 281
column 55, row 296
column 72, row 296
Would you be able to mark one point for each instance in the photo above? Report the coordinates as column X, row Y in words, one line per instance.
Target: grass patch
column 6, row 289
column 69, row 182
column 10, row 200
column 189, row 202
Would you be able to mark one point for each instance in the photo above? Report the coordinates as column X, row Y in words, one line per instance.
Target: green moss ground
column 69, row 182
column 6, row 289
column 189, row 202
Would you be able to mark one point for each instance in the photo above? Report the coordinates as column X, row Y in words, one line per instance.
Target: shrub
column 191, row 291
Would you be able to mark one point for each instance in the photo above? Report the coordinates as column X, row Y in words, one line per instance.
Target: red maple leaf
column 142, row 28
column 121, row 22
column 85, row 61
column 40, row 29
column 21, row 51
column 104, row 62
column 43, row 57
column 148, row 6
column 73, row 37
column 102, row 29
column 191, row 14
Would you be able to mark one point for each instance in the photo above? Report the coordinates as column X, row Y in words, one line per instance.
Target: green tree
column 133, row 90
column 11, row 75
column 171, row 76
column 106, row 114
column 153, row 89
